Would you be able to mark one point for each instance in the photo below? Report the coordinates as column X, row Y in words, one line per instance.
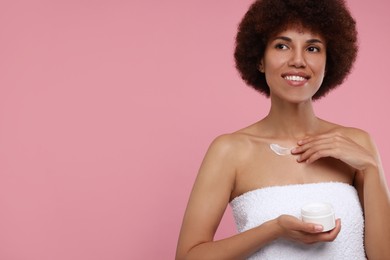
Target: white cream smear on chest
column 280, row 150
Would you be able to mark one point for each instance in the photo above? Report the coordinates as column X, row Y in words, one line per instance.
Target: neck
column 292, row 121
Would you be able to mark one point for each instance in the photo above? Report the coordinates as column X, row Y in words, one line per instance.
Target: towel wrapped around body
column 255, row 207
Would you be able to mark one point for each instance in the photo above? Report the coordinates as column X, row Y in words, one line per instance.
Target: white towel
column 258, row 206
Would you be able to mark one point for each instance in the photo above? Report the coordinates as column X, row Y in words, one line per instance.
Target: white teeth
column 295, row 78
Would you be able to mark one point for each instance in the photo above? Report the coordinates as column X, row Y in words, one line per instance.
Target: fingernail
column 318, row 228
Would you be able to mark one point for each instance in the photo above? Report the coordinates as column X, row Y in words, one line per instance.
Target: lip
column 296, row 83
column 296, row 73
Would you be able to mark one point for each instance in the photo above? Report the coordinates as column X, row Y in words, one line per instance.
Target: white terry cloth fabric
column 258, row 206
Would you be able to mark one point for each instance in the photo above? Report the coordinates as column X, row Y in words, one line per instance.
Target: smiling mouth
column 295, row 78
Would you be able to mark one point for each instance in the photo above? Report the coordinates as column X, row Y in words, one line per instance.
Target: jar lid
column 317, row 209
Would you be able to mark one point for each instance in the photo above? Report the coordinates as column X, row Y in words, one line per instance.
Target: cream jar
column 319, row 213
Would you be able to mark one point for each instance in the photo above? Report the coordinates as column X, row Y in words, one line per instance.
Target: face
column 294, row 64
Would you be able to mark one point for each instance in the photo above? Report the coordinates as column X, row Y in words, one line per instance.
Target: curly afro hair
column 330, row 18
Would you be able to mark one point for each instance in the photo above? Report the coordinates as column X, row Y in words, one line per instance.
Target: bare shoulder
column 222, row 154
column 358, row 135
column 230, row 144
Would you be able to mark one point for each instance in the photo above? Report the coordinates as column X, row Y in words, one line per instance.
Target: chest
column 263, row 168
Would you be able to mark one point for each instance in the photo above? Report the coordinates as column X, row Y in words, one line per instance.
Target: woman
column 294, row 52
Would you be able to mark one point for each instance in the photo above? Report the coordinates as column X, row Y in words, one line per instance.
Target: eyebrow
column 287, row 39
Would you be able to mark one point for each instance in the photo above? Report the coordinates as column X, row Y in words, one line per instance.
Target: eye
column 313, row 49
column 281, row 46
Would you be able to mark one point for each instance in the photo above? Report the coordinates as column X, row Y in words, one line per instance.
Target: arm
column 209, row 198
column 371, row 184
column 356, row 148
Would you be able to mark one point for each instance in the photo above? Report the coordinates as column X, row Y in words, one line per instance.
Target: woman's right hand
column 295, row 229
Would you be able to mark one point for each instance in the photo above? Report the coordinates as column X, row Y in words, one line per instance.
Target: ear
column 261, row 66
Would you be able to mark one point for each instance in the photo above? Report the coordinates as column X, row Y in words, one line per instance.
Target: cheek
column 318, row 66
column 272, row 66
column 322, row 71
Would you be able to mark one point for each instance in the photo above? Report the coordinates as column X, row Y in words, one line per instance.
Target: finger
column 328, row 236
column 311, row 145
column 310, row 228
column 312, row 155
column 332, row 234
column 293, row 224
column 313, row 139
column 332, row 135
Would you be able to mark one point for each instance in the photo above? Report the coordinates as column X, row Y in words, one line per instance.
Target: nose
column 297, row 59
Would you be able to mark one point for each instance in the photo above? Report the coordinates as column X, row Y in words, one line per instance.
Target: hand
column 336, row 145
column 294, row 229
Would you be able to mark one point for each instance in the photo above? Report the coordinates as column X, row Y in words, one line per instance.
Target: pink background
column 107, row 108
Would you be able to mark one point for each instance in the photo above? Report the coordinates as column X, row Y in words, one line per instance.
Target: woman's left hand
column 336, row 145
